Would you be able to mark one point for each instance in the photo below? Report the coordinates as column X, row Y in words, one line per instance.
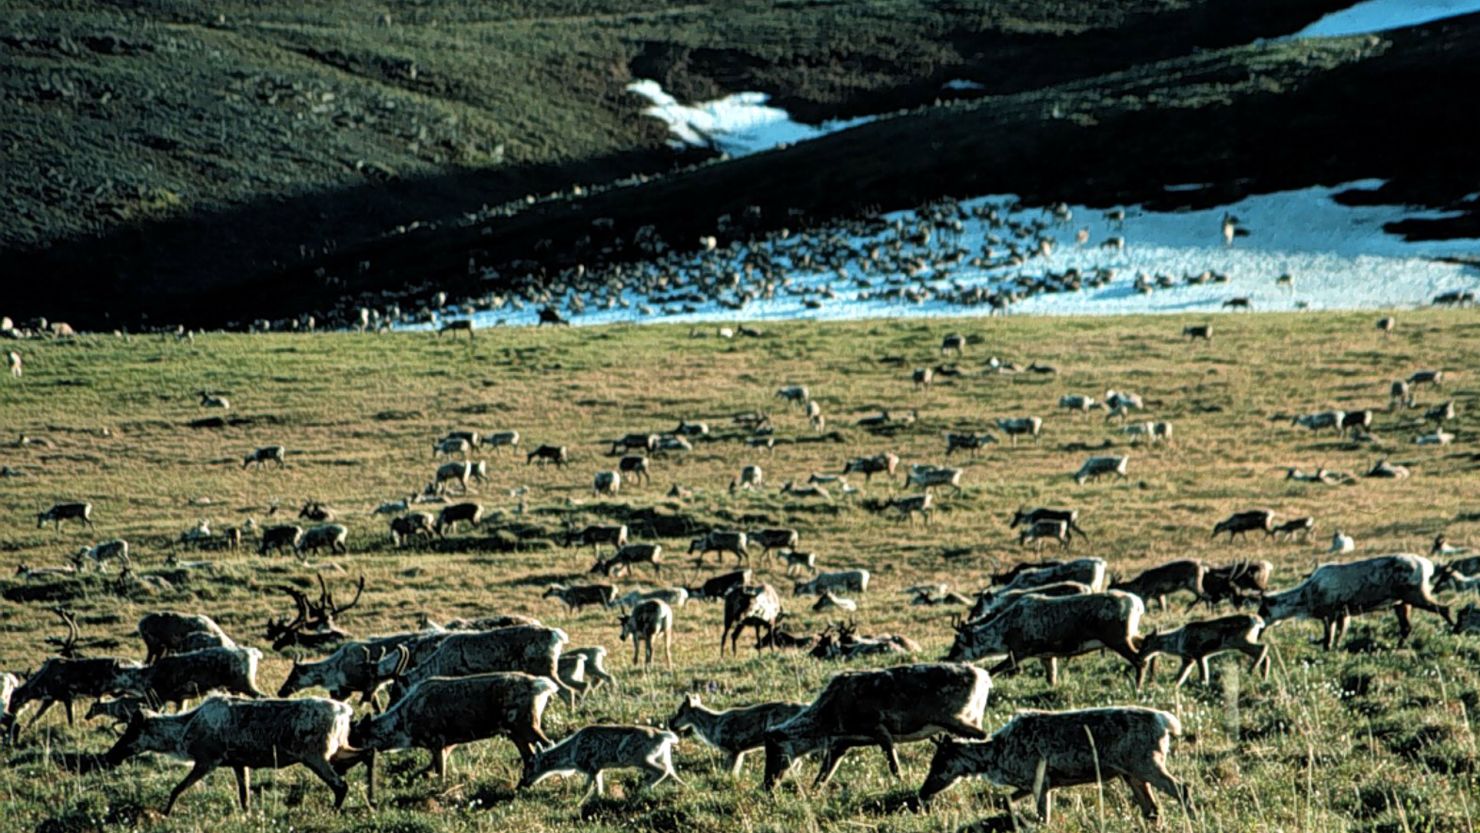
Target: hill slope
column 169, row 150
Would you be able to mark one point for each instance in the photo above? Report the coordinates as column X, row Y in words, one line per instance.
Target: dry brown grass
column 1366, row 738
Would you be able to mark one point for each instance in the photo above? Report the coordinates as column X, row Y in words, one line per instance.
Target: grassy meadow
column 1367, row 738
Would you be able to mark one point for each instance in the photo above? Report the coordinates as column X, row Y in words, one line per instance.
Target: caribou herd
column 439, row 686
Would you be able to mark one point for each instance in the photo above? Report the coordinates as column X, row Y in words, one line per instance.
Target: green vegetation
column 1367, row 738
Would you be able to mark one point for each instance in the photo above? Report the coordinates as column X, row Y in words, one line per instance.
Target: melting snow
column 1338, row 257
column 737, row 124
column 1380, row 15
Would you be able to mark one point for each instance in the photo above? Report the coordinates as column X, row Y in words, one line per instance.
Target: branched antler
column 313, row 625
column 66, row 646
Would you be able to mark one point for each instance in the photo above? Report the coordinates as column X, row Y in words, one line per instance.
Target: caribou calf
column 733, row 731
column 1045, row 531
column 649, row 619
column 1029, row 517
column 1195, row 642
column 120, row 710
column 594, row 749
column 593, row 662
column 1291, row 529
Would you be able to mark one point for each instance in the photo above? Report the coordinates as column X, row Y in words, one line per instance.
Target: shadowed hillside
column 168, row 150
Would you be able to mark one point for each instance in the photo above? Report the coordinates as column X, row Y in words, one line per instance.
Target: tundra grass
column 1370, row 737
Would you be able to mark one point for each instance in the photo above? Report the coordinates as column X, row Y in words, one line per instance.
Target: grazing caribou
column 1052, row 628
column 596, row 534
column 1241, row 523
column 594, row 749
column 720, row 542
column 247, row 734
column 1334, row 593
column 577, row 596
column 756, row 606
column 1039, row 751
column 1029, row 517
column 1161, row 581
column 1195, row 642
column 167, row 632
column 62, row 680
column 1237, row 582
column 626, row 558
column 733, row 731
column 715, row 589
column 881, row 708
column 440, row 713
column 884, row 463
column 76, row 511
column 647, row 620
column 531, row 649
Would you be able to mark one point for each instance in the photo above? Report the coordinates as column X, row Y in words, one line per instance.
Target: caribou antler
column 67, row 646
column 284, row 633
column 327, row 609
column 313, row 626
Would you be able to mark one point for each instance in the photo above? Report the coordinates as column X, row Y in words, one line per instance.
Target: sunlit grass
column 1368, row 738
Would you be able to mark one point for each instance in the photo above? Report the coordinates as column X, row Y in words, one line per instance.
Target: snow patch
column 962, row 84
column 1338, row 257
column 738, row 124
column 1381, row 15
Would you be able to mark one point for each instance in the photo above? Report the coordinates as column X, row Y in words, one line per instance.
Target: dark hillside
column 158, row 152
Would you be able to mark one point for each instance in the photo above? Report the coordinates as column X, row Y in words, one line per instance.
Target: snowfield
column 1381, row 15
column 1337, row 257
